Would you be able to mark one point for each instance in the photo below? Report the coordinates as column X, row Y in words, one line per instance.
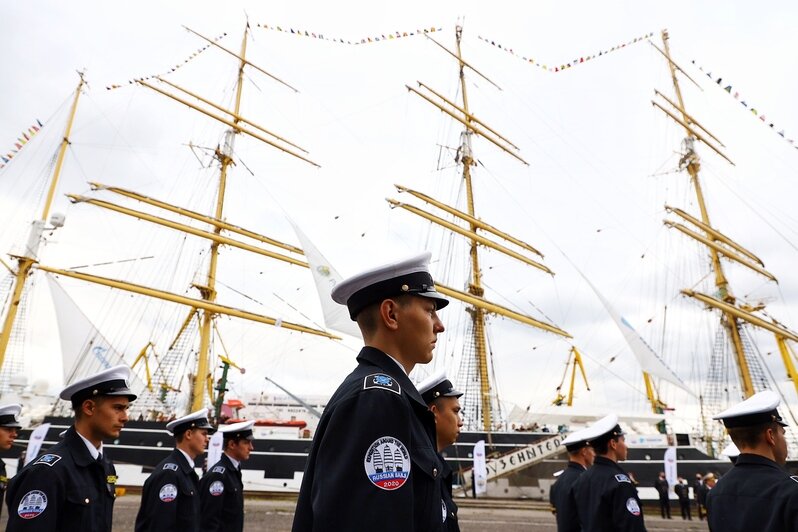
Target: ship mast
column 206, row 307
column 733, row 313
column 478, row 233
column 28, row 258
column 224, row 155
column 475, row 283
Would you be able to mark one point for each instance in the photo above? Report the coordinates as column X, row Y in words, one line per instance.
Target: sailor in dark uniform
column 444, row 402
column 73, row 485
column 373, row 464
column 561, row 496
column 170, row 500
column 221, row 488
column 606, row 499
column 8, row 433
column 757, row 493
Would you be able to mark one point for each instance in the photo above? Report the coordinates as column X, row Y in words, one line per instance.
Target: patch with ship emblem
column 382, row 381
column 170, row 467
column 622, row 478
column 632, row 506
column 218, row 469
column 48, row 459
column 168, row 493
column 216, row 488
column 32, row 505
column 387, row 463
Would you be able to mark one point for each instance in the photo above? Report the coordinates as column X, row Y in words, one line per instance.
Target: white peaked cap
column 409, row 276
column 194, row 420
column 112, row 381
column 758, row 409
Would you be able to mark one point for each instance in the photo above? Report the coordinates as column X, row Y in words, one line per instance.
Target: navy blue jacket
column 62, row 490
column 756, row 494
column 373, row 464
column 561, row 496
column 606, row 499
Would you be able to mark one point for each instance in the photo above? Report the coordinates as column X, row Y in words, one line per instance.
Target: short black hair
column 368, row 318
column 751, row 435
column 603, row 446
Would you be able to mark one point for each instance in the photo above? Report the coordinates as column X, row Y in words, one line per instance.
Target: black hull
column 144, row 444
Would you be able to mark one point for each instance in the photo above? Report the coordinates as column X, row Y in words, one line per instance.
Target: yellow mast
column 26, row 261
column 209, row 290
column 475, row 283
column 729, row 320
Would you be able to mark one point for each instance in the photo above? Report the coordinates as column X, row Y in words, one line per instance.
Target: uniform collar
column 389, row 365
column 236, row 464
column 93, row 451
column 181, row 456
column 77, row 446
column 603, row 460
column 756, row 459
column 576, row 465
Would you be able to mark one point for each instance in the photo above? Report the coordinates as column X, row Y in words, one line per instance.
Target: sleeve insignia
column 48, row 459
column 383, row 382
column 218, row 469
column 170, row 466
column 622, row 478
column 794, row 478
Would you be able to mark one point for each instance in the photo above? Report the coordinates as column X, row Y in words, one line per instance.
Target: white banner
column 480, row 469
column 35, row 441
column 215, row 448
column 670, row 466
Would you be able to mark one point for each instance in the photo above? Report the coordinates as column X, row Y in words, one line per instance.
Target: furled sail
column 649, row 360
column 336, row 317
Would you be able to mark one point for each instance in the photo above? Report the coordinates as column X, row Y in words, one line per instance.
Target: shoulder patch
column 632, row 506
column 216, row 488
column 381, row 381
column 32, row 505
column 622, row 478
column 47, row 459
column 170, row 466
column 794, row 478
column 168, row 493
column 218, row 469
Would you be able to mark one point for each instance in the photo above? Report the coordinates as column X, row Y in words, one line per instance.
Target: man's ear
column 389, row 314
column 87, row 407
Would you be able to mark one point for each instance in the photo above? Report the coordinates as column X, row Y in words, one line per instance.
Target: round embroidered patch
column 216, row 488
column 387, row 463
column 632, row 506
column 32, row 504
column 168, row 493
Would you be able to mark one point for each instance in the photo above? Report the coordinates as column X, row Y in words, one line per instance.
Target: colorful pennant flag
column 728, row 89
column 26, row 137
column 559, row 67
column 172, row 69
column 363, row 40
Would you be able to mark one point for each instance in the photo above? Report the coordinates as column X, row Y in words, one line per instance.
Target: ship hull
column 278, row 461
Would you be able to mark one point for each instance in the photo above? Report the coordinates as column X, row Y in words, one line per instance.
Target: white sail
column 649, row 360
column 84, row 349
column 336, row 317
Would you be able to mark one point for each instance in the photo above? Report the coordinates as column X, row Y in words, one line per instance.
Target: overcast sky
column 602, row 165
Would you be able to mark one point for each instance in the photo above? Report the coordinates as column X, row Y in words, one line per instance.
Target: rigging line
column 759, row 215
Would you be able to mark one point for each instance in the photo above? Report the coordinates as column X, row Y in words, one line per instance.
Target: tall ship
column 190, row 359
